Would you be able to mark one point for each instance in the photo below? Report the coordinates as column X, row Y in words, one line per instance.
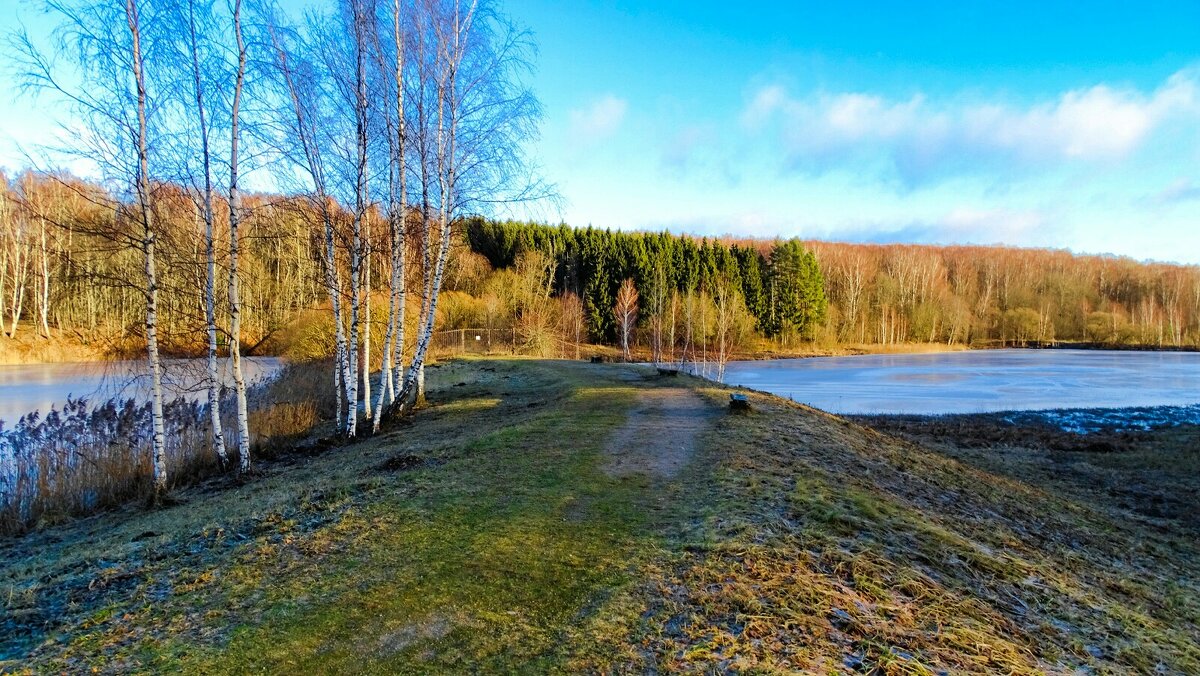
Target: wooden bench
column 739, row 403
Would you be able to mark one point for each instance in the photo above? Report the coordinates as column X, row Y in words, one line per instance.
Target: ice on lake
column 978, row 381
column 37, row 387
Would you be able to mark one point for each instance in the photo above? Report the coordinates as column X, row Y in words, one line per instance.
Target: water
column 978, row 381
column 36, row 387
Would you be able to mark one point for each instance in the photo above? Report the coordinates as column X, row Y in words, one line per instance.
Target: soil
column 659, row 437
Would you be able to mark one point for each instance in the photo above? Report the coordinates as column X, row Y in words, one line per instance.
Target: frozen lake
column 978, row 381
column 36, row 387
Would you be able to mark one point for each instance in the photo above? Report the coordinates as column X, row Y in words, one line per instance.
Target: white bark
column 44, row 290
column 145, row 215
column 210, row 314
column 305, row 135
column 393, row 342
column 366, row 350
column 235, row 217
column 361, row 103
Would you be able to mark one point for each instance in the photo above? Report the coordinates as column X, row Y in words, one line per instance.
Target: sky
column 1049, row 124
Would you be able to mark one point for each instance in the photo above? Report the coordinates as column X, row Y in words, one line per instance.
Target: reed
column 83, row 458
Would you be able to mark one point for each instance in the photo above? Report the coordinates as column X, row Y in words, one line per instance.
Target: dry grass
column 80, row 459
column 483, row 534
column 30, row 348
column 822, row 546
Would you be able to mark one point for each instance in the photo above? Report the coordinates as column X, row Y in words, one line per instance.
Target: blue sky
column 1071, row 125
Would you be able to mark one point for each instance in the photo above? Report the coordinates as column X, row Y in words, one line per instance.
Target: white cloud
column 921, row 138
column 599, row 119
column 765, row 102
column 681, row 149
column 1182, row 190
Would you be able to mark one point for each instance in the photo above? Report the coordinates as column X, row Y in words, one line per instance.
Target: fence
column 506, row 341
column 475, row 341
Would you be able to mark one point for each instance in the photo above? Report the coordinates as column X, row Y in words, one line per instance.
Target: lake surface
column 978, row 381
column 36, row 387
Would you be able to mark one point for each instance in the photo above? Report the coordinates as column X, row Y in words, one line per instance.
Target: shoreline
column 1079, row 421
column 260, row 574
column 26, row 352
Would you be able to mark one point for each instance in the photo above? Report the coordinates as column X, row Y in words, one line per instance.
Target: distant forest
column 782, row 287
column 877, row 294
column 55, row 277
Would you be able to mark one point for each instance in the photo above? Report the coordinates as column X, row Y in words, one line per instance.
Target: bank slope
column 558, row 516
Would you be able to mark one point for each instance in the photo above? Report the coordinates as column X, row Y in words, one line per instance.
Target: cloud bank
column 599, row 119
column 920, row 138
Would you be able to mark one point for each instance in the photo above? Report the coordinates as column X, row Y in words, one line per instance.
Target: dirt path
column 659, row 437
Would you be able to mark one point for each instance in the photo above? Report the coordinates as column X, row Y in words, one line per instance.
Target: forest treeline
column 783, row 289
column 866, row 294
column 54, row 275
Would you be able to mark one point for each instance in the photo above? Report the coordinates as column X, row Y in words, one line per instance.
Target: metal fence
column 503, row 341
column 475, row 341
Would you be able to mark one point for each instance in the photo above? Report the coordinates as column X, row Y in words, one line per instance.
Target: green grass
column 496, row 542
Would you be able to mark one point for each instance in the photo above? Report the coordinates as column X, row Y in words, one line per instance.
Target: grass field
column 564, row 517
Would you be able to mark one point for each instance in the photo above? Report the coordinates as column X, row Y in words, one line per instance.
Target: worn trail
column 659, row 436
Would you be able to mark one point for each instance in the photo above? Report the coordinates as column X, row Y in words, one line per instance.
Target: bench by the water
column 739, row 403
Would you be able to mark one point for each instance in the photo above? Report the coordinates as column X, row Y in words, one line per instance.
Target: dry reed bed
column 82, row 458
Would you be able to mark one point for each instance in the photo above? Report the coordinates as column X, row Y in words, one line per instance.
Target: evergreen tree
column 797, row 290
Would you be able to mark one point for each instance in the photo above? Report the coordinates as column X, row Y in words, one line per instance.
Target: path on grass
column 659, row 436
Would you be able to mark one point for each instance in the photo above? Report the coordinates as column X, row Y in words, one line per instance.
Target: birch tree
column 475, row 113
column 195, row 35
column 626, row 311
column 390, row 59
column 235, row 219
column 732, row 322
column 301, row 137
column 18, row 260
column 115, row 102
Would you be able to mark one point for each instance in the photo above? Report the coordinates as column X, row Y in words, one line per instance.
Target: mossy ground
column 483, row 534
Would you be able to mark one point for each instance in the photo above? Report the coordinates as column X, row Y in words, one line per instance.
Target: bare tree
column 235, row 219
column 107, row 42
column 731, row 322
column 199, row 86
column 572, row 319
column 18, row 257
column 657, row 310
column 390, row 58
column 626, row 311
column 472, row 61
column 301, row 138
column 145, row 214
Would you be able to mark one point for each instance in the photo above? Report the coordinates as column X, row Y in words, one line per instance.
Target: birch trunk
column 366, row 351
column 159, row 459
column 210, row 314
column 44, row 291
column 20, row 279
column 414, row 387
column 235, row 217
column 306, row 135
column 360, row 208
column 393, row 342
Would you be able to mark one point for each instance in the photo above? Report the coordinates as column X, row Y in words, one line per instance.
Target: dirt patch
column 430, row 629
column 405, row 462
column 659, row 437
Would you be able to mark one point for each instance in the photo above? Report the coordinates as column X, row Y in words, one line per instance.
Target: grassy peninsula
column 556, row 516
